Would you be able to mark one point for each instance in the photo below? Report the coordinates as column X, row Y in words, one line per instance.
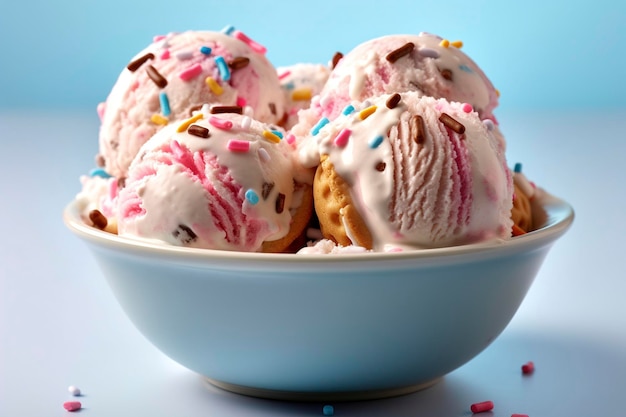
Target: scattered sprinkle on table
column 481, row 407
column 75, row 391
column 528, row 368
column 328, row 410
column 72, row 405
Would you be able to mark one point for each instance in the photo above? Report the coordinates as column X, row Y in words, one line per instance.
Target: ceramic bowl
column 323, row 327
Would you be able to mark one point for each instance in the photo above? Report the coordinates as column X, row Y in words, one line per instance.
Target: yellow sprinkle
column 157, row 119
column 457, row 44
column 184, row 125
column 301, row 94
column 497, row 92
column 272, row 137
column 367, row 112
column 214, row 86
column 445, row 43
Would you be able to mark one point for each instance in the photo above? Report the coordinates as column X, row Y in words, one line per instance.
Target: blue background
column 540, row 54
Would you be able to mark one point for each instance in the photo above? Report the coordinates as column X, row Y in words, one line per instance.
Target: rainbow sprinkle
column 255, row 46
column 191, row 72
column 367, row 112
column 246, row 122
column 222, row 67
column 348, row 109
column 444, row 43
column 228, row 30
column 284, row 75
column 322, row 122
column 375, row 143
column 165, row 54
column 517, row 168
column 184, row 55
column 236, row 145
column 301, row 94
column 157, row 119
column 342, row 138
column 214, row 86
column 467, row 108
column 165, row 104
column 252, row 197
column 99, row 172
column 184, row 125
column 221, row 123
column 263, row 155
column 291, row 138
column 457, row 44
column 271, row 136
column 205, row 50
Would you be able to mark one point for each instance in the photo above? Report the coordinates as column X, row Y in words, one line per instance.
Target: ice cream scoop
column 408, row 170
column 425, row 63
column 217, row 181
column 176, row 74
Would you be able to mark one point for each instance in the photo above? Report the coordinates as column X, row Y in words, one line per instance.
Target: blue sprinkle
column 465, row 68
column 375, row 143
column 222, row 67
column 517, row 168
column 289, row 86
column 205, row 50
column 328, row 410
column 228, row 30
column 252, row 197
column 277, row 133
column 316, row 129
column 349, row 109
column 99, row 172
column 165, row 104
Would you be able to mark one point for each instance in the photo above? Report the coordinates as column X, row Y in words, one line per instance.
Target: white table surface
column 61, row 326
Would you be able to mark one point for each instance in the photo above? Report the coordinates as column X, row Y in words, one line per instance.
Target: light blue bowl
column 323, row 327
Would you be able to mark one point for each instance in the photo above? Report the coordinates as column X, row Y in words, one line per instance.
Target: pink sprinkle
column 395, row 250
column 176, row 149
column 528, row 368
column 241, row 102
column 236, row 145
column 291, row 138
column 284, row 74
column 191, row 72
column 158, row 38
column 134, row 86
column 165, row 54
column 519, row 415
column 256, row 47
column 100, row 109
column 481, row 407
column 467, row 108
column 221, row 123
column 72, row 405
column 341, row 139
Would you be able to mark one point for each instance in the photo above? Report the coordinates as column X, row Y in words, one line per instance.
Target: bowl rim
column 559, row 218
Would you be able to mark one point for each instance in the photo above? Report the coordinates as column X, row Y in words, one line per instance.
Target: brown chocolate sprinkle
column 100, row 161
column 194, row 109
column 417, row 128
column 239, row 62
column 98, row 219
column 336, row 58
column 452, row 123
column 199, row 131
column 184, row 234
column 405, row 49
column 134, row 65
column 280, row 203
column 226, row 109
column 267, row 189
column 272, row 108
column 446, row 73
column 156, row 76
column 381, row 166
column 393, row 101
column 121, row 182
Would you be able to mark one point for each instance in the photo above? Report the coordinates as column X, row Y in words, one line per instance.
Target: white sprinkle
column 183, row 55
column 488, row 124
column 246, row 121
column 263, row 155
column 206, row 109
column 75, row 391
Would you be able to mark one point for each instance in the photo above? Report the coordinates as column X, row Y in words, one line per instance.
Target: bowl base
column 319, row 396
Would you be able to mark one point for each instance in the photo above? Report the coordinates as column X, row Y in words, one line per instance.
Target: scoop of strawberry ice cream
column 176, row 74
column 221, row 181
